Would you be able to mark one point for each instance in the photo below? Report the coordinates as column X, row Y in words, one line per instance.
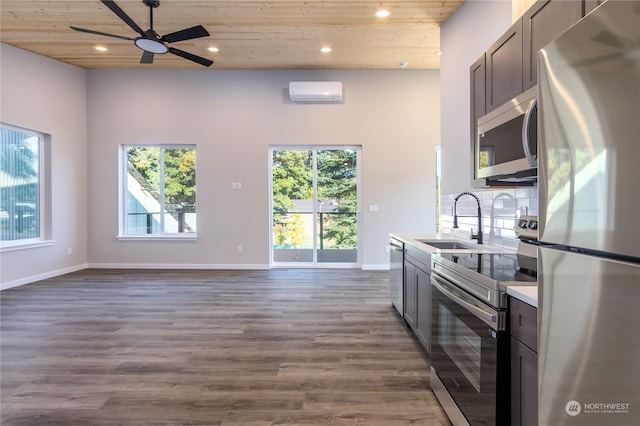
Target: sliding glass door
column 314, row 206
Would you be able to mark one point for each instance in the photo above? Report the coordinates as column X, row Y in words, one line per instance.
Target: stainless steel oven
column 469, row 339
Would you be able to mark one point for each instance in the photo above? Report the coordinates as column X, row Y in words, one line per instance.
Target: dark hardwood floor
column 309, row 347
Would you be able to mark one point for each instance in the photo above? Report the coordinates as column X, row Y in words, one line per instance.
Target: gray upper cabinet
column 504, row 68
column 589, row 5
column 510, row 66
column 478, row 91
column 543, row 23
column 478, row 109
column 511, row 62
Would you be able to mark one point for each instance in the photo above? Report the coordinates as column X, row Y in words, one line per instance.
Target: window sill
column 25, row 245
column 157, row 237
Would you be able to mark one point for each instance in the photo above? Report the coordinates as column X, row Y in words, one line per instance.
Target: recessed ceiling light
column 213, row 49
column 404, row 64
column 325, row 49
column 101, row 48
column 382, row 13
column 439, row 53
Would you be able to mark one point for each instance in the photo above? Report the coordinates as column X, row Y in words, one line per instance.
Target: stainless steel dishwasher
column 396, row 259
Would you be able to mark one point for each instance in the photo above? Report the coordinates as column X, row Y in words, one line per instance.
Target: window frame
column 316, row 207
column 43, row 202
column 123, row 194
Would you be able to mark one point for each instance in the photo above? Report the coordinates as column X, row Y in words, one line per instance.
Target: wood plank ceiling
column 279, row 34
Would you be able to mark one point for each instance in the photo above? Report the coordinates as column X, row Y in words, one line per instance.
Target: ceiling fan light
column 632, row 55
column 150, row 45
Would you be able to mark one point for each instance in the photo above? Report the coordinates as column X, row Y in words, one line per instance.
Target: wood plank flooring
column 280, row 347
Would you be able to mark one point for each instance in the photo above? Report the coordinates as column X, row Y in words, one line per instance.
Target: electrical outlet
column 239, row 249
column 69, row 251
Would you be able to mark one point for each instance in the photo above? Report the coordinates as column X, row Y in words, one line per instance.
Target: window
column 22, row 204
column 314, row 205
column 159, row 191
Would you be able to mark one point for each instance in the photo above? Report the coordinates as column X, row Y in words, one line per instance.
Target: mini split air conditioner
column 315, row 91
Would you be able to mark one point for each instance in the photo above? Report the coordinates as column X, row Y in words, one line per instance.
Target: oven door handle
column 489, row 317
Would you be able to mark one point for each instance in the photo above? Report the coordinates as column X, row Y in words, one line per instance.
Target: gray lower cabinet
column 410, row 294
column 523, row 323
column 417, row 287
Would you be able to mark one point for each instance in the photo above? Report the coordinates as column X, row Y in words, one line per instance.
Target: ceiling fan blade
column 116, row 9
column 610, row 39
column 186, row 34
column 592, row 61
column 83, row 30
column 191, row 57
column 147, row 57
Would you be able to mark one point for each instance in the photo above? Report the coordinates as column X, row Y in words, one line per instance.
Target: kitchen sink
column 447, row 245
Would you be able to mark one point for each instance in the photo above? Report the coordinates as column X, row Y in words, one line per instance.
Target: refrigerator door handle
column 526, row 125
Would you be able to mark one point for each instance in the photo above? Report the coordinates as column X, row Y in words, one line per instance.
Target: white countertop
column 528, row 294
column 414, row 239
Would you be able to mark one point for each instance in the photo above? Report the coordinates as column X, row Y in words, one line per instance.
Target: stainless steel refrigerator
column 589, row 194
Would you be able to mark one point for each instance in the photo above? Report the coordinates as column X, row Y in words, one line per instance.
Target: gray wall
column 233, row 117
column 50, row 97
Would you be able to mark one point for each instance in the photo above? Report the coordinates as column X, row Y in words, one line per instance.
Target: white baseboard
column 39, row 277
column 256, row 266
column 383, row 267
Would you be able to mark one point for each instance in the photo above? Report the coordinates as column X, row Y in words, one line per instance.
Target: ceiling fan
column 149, row 41
column 626, row 48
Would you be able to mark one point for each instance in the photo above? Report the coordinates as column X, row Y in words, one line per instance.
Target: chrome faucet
column 477, row 236
column 492, row 231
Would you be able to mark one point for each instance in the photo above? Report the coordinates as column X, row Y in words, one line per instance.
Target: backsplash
column 500, row 210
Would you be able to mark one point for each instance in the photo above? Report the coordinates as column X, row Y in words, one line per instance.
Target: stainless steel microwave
column 507, row 144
